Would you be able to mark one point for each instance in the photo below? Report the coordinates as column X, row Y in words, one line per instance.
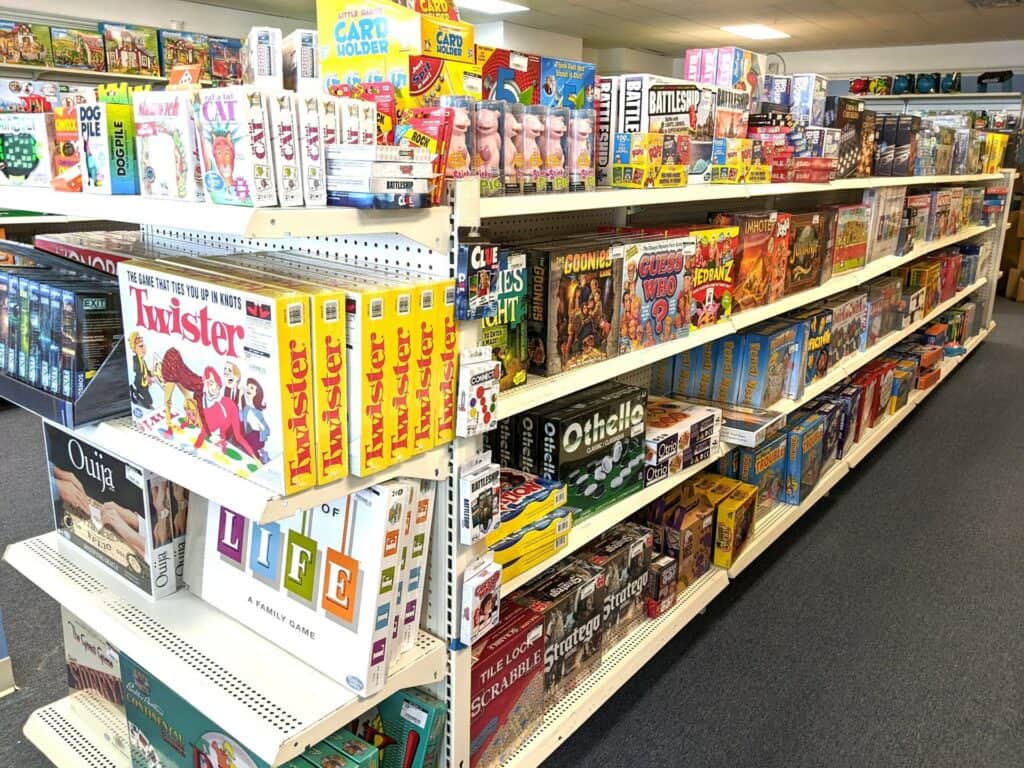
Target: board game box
column 108, row 149
column 759, row 267
column 573, row 312
column 67, row 155
column 565, row 83
column 509, row 75
column 809, row 92
column 632, row 110
column 476, row 281
column 570, row 599
column 848, row 324
column 804, row 269
column 654, row 296
column 850, row 246
column 131, row 49
column 25, row 44
column 728, row 361
column 688, row 528
column 819, row 341
column 93, row 664
column 804, row 457
column 765, row 467
column 167, row 152
column 769, row 354
column 179, row 48
column 331, row 570
column 712, row 275
column 624, row 553
column 26, row 149
column 734, row 523
column 732, row 112
column 225, row 60
column 681, row 108
column 505, row 332
column 75, row 48
column 124, row 517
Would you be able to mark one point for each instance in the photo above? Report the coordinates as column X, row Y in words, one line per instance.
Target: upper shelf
column 990, row 96
column 471, row 209
column 427, row 226
column 33, row 72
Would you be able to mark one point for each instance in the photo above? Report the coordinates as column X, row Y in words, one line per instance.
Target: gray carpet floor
column 884, row 629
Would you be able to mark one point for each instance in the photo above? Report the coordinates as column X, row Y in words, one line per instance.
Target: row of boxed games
column 905, row 84
column 348, row 575
column 405, row 730
column 58, row 322
column 290, row 381
column 122, row 49
column 236, row 145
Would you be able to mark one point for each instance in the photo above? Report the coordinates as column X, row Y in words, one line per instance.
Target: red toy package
column 429, row 127
column 712, row 275
column 383, row 95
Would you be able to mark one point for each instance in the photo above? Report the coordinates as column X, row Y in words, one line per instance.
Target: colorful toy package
column 25, row 44
column 534, row 133
column 184, row 49
column 734, row 522
column 565, row 83
column 850, row 245
column 508, row 75
column 340, row 612
column 460, row 149
column 124, row 517
column 165, row 136
column 505, row 332
column 507, row 689
column 554, row 149
column 765, row 467
column 769, row 355
column 819, row 337
column 580, row 150
column 26, row 149
column 209, row 356
column 804, row 268
column 574, row 308
column 108, row 149
column 655, row 301
column 430, row 78
column 67, row 155
column 234, row 136
column 759, row 267
column 804, row 457
column 712, row 275
column 225, row 60
column 489, row 158
column 131, row 49
column 75, row 48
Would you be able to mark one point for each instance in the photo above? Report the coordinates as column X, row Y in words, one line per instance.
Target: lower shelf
column 80, row 731
column 619, row 664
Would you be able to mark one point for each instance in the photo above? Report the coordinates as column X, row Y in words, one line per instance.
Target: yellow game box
column 734, row 523
column 524, row 499
column 537, row 535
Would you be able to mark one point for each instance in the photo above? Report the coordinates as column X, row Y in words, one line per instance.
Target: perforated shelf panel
column 80, row 731
column 269, row 700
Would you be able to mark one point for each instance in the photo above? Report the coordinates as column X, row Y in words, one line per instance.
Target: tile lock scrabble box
column 129, row 520
column 209, row 358
column 321, row 584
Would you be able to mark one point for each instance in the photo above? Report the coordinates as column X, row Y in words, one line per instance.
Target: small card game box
column 661, row 586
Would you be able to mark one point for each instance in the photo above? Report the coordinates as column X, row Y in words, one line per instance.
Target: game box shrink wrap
column 507, row 694
column 321, row 584
column 624, row 553
column 126, row 518
column 209, row 357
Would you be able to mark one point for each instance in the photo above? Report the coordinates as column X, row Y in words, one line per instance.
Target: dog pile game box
column 570, row 599
column 712, row 276
column 332, row 571
column 507, row 693
column 107, row 135
column 126, row 518
column 624, row 553
column 805, row 258
column 573, row 313
column 654, row 297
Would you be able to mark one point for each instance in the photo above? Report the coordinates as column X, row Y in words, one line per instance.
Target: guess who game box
column 712, row 275
column 124, row 517
column 209, row 358
column 570, row 601
column 655, row 300
column 322, row 583
column 165, row 731
column 573, row 313
column 804, row 268
column 507, row 693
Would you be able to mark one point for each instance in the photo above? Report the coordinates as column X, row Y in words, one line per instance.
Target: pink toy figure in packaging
column 488, row 159
column 553, row 148
column 512, row 142
column 582, row 175
column 535, row 118
column 460, row 149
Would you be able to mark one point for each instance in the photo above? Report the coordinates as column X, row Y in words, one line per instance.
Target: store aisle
column 884, row 629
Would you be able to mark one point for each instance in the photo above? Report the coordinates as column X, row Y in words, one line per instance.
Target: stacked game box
column 534, row 521
column 805, row 257
column 678, row 435
column 760, row 275
column 624, row 553
column 166, row 147
column 684, row 529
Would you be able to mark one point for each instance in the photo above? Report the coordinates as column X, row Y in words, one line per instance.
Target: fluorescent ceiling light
column 490, row 6
column 753, row 31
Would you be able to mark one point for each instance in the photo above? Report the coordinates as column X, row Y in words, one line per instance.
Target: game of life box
column 320, row 584
column 127, row 519
column 206, row 353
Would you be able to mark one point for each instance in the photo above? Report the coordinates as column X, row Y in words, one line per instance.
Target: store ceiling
column 671, row 26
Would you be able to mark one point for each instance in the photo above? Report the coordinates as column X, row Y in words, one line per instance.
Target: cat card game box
column 321, row 583
column 166, row 731
column 624, row 553
column 209, row 357
column 765, row 468
column 804, row 268
column 573, row 313
column 507, row 689
column 126, row 518
column 712, row 275
column 655, row 301
column 26, row 149
column 166, row 148
column 505, row 332
column 570, row 600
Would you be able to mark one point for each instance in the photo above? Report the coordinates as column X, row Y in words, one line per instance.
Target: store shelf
column 427, row 226
column 940, row 96
column 247, row 497
column 17, row 221
column 80, row 731
column 33, row 72
column 266, row 698
column 542, row 389
column 594, row 526
column 473, row 209
column 618, row 665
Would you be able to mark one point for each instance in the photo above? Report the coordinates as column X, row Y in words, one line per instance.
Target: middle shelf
column 270, row 700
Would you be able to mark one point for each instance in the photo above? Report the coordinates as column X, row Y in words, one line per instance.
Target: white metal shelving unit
column 67, row 74
column 80, row 731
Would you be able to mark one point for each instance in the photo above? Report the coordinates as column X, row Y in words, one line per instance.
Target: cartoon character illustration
column 458, row 152
column 173, row 373
column 550, row 88
column 220, row 415
column 222, row 148
column 142, row 378
column 513, row 155
column 551, row 148
column 254, row 423
column 232, row 383
column 488, row 143
column 533, row 129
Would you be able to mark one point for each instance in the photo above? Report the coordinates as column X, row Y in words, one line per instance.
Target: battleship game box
column 573, row 311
